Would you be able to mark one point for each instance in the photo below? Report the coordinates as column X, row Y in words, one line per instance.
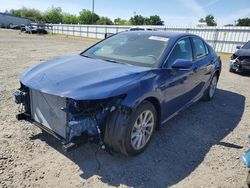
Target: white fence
column 222, row 39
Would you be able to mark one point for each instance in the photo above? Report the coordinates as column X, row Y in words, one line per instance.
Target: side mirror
column 107, row 35
column 238, row 47
column 182, row 64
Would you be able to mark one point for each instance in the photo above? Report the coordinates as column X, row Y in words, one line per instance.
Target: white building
column 6, row 20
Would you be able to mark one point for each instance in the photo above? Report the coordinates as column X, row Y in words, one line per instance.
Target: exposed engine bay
column 63, row 117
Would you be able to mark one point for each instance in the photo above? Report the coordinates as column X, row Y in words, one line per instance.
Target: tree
column 209, row 19
column 119, row 21
column 243, row 22
column 137, row 20
column 69, row 19
column 15, row 12
column 53, row 15
column 85, row 17
column 154, row 20
column 202, row 20
column 104, row 21
column 32, row 14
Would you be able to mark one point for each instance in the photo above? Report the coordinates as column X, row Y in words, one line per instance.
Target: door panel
column 180, row 86
column 203, row 62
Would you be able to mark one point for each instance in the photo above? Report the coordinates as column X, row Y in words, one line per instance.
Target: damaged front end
column 239, row 63
column 66, row 118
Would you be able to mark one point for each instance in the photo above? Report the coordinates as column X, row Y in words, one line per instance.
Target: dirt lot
column 198, row 148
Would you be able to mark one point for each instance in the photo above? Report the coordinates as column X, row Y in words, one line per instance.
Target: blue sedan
column 119, row 90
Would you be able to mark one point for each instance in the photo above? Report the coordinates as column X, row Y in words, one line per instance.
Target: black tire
column 119, row 128
column 207, row 96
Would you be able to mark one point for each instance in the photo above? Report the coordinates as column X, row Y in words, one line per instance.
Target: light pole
column 93, row 10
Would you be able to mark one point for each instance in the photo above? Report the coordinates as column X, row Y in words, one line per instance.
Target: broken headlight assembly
column 88, row 117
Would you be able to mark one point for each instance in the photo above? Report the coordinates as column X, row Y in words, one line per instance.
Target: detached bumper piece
column 65, row 119
column 246, row 159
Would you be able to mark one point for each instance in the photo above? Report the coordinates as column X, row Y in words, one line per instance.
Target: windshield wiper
column 114, row 61
column 86, row 56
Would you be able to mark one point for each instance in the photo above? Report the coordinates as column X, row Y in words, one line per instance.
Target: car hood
column 82, row 78
column 243, row 52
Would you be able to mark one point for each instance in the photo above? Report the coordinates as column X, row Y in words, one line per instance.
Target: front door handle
column 195, row 69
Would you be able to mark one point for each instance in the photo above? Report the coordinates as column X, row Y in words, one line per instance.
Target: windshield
column 136, row 48
column 246, row 46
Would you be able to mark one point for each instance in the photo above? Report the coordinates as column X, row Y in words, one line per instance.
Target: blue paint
column 82, row 78
column 246, row 159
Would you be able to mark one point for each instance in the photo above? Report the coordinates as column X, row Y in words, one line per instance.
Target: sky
column 172, row 12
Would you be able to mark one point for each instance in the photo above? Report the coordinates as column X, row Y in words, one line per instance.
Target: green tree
column 53, row 15
column 15, row 12
column 119, row 21
column 104, row 21
column 202, row 20
column 243, row 22
column 32, row 14
column 137, row 20
column 210, row 20
column 154, row 20
column 69, row 19
column 85, row 17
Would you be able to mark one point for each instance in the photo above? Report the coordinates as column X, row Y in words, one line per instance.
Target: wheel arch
column 217, row 72
column 156, row 103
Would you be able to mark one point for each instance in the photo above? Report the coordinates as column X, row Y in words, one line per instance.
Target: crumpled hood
column 82, row 78
column 243, row 52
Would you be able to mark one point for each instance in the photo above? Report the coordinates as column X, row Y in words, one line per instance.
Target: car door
column 203, row 63
column 180, row 86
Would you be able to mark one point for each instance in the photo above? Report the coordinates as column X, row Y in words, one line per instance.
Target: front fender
column 146, row 88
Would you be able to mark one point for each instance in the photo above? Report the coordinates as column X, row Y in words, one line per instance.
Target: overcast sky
column 173, row 12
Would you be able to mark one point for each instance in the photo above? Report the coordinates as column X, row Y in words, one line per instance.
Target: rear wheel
column 131, row 134
column 210, row 91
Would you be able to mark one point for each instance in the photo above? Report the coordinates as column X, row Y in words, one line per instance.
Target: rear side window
column 182, row 50
column 200, row 50
column 206, row 48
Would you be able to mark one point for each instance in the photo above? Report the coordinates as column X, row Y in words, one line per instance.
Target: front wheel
column 210, row 91
column 131, row 134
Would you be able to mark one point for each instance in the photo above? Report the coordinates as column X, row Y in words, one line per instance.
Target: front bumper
column 233, row 64
column 239, row 65
column 55, row 115
column 66, row 119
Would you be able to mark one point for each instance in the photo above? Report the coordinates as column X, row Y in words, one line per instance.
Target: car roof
column 173, row 35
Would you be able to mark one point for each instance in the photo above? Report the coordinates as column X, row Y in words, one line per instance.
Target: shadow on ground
column 175, row 151
column 245, row 73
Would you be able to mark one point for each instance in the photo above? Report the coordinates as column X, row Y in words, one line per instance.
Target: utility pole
column 93, row 11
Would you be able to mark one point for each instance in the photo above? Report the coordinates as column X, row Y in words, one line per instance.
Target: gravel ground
column 198, row 148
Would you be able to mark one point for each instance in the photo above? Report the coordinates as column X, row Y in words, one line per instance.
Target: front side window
column 199, row 47
column 136, row 48
column 246, row 46
column 182, row 50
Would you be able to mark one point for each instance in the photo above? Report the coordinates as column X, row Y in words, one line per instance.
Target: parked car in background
column 121, row 89
column 15, row 27
column 22, row 28
column 142, row 29
column 240, row 60
column 35, row 28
